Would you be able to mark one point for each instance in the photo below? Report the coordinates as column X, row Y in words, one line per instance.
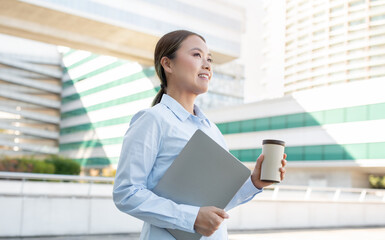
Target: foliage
column 64, row 165
column 15, row 165
column 53, row 165
column 377, row 181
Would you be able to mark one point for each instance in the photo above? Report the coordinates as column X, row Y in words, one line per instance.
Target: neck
column 185, row 99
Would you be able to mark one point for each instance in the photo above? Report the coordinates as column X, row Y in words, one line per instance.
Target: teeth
column 203, row 75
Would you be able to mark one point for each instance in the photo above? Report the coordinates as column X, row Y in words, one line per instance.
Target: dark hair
column 167, row 47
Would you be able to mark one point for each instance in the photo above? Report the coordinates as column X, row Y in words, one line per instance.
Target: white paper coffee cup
column 272, row 151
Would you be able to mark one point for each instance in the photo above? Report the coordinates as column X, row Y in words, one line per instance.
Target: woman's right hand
column 209, row 219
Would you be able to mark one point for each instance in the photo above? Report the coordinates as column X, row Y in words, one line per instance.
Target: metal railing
column 322, row 194
column 40, row 176
column 24, row 184
column 272, row 193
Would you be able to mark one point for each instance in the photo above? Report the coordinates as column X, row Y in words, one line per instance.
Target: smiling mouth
column 203, row 76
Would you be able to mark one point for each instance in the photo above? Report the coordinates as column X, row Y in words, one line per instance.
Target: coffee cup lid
column 272, row 141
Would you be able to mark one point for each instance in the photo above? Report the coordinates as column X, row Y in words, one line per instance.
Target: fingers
column 209, row 220
column 283, row 171
column 259, row 161
column 284, row 162
column 221, row 213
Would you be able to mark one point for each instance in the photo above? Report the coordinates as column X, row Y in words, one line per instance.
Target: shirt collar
column 180, row 111
column 200, row 114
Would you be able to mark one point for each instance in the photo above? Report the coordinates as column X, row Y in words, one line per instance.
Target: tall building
column 331, row 42
column 308, row 44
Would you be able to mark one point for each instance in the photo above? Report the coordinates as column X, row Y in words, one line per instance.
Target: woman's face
column 191, row 67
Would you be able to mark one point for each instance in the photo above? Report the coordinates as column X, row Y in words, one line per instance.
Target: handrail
column 40, row 176
column 336, row 192
column 279, row 192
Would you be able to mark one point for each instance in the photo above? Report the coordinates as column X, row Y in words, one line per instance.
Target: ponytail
column 158, row 97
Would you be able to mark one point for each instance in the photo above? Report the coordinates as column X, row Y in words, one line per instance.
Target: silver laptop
column 203, row 174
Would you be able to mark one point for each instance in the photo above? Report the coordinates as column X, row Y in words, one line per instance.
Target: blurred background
column 73, row 73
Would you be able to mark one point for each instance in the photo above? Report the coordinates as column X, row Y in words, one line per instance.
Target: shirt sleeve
column 244, row 194
column 140, row 147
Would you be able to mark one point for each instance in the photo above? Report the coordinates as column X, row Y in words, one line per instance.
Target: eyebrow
column 200, row 50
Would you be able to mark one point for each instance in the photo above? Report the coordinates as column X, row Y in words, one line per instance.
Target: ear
column 166, row 64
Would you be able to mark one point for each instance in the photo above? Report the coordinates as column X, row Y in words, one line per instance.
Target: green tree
column 64, row 165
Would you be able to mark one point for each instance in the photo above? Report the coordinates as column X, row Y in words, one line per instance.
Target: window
column 295, row 153
column 376, row 150
column 337, row 9
column 314, row 119
column 295, row 120
column 248, row 125
column 377, row 111
column 333, row 152
column 319, row 14
column 355, row 151
column 336, row 27
column 356, row 113
column 313, row 153
column 334, row 116
column 262, row 124
column 356, row 3
column 335, row 46
column 357, row 61
column 357, row 22
column 319, row 32
column 278, row 122
column 357, row 40
column 378, row 57
column 377, row 18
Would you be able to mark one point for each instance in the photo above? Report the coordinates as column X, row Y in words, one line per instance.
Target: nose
column 207, row 65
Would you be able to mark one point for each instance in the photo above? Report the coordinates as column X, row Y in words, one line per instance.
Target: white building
column 334, row 134
column 333, row 42
column 307, row 44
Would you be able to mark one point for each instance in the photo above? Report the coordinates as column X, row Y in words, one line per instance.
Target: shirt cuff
column 248, row 187
column 188, row 216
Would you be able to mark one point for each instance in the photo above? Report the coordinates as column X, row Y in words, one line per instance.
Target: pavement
column 375, row 233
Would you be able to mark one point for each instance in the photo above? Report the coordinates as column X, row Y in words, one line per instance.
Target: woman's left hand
column 256, row 175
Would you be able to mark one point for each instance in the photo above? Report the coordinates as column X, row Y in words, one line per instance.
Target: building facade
column 333, row 42
column 334, row 134
column 101, row 93
column 308, row 44
column 30, row 89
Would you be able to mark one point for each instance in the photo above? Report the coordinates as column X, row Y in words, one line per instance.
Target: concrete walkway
column 305, row 234
column 313, row 234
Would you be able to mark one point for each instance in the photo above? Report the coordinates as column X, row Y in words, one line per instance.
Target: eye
column 197, row 54
column 210, row 60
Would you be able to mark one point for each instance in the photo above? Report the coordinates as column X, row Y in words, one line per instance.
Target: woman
column 158, row 134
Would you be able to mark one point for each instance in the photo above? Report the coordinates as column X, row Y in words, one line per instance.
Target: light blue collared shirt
column 154, row 139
